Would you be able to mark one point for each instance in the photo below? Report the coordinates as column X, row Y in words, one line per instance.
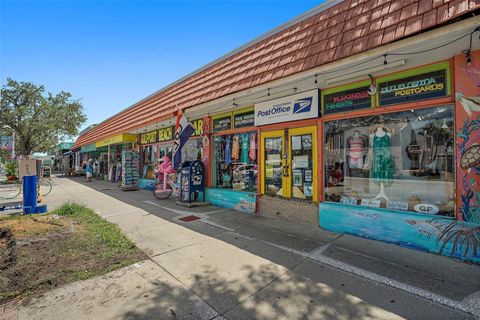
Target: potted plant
column 11, row 171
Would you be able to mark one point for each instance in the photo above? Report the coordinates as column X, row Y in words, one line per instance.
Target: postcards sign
column 295, row 107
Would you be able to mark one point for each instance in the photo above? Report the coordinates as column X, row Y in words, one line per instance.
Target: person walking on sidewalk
column 89, row 170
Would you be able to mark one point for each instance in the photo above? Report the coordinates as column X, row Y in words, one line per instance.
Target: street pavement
column 229, row 265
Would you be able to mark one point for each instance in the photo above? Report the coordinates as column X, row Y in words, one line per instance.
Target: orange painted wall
column 467, row 123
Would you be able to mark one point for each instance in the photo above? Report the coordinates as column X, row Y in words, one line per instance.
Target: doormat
column 189, row 218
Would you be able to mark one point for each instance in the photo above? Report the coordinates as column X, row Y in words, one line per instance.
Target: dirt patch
column 42, row 253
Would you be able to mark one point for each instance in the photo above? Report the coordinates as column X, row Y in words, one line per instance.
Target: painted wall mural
column 421, row 232
column 467, row 79
column 240, row 201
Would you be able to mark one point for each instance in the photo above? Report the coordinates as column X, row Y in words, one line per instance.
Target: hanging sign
column 429, row 85
column 295, row 107
column 165, row 134
column 198, row 125
column 244, row 119
column 222, row 123
column 347, row 100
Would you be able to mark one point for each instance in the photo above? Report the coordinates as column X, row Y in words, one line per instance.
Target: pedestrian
column 89, row 170
column 95, row 169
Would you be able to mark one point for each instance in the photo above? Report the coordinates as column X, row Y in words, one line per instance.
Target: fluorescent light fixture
column 365, row 72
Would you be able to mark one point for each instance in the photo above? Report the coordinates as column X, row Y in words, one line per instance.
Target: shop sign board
column 119, row 138
column 222, row 123
column 165, row 134
column 88, row 148
column 295, row 107
column 244, row 119
column 415, row 85
column 198, row 125
column 160, row 135
column 148, row 137
column 346, row 99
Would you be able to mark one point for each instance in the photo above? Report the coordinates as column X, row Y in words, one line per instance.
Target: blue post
column 29, row 194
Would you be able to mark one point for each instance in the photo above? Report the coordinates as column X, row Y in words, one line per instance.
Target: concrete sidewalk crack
column 162, row 253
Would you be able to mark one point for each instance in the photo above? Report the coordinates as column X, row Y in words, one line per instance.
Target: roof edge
column 320, row 8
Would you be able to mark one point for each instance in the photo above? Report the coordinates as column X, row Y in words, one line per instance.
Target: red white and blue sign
column 295, row 107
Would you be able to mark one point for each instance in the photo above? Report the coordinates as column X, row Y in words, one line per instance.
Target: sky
column 111, row 54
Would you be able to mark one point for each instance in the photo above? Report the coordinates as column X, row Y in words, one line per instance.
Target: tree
column 39, row 121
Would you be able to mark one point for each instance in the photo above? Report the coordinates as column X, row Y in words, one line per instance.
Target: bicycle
column 12, row 190
column 166, row 188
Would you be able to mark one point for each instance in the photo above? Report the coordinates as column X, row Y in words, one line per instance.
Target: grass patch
column 68, row 244
column 99, row 237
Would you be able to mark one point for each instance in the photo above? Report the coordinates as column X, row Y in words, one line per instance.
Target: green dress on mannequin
column 382, row 165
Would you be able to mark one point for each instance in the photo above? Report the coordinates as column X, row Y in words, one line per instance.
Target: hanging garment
column 244, row 153
column 228, row 154
column 252, row 154
column 356, row 144
column 382, row 165
column 235, row 148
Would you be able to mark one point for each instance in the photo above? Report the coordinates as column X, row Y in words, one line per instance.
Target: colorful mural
column 421, row 232
column 240, row 201
column 467, row 79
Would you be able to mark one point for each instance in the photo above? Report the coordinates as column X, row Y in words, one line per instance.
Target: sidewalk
column 235, row 266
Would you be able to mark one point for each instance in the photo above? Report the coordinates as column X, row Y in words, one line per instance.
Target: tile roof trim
column 320, row 8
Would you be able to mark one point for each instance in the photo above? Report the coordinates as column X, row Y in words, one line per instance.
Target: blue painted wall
column 422, row 232
column 241, row 201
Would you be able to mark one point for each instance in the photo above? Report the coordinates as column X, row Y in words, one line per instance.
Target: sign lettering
column 295, row 107
column 148, row 137
column 224, row 123
column 419, row 87
column 165, row 134
column 244, row 119
column 198, row 125
column 349, row 100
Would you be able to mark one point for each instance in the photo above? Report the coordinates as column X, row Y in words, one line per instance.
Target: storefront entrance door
column 289, row 163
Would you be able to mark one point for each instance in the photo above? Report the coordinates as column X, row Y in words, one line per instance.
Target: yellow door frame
column 263, row 136
column 297, row 132
column 287, row 162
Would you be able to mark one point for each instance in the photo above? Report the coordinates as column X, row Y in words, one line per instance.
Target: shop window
column 400, row 161
column 148, row 161
column 235, row 161
column 192, row 150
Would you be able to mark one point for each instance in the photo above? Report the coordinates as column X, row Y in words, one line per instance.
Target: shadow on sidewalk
column 287, row 244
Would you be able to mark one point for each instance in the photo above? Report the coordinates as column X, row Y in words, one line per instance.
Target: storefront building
column 365, row 131
column 110, row 154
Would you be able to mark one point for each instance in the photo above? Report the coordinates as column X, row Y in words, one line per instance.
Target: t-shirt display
column 399, row 160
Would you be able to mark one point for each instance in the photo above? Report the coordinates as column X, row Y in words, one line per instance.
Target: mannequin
column 381, row 170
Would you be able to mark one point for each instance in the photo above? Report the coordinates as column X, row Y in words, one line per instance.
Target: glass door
column 274, row 174
column 302, row 163
column 289, row 163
